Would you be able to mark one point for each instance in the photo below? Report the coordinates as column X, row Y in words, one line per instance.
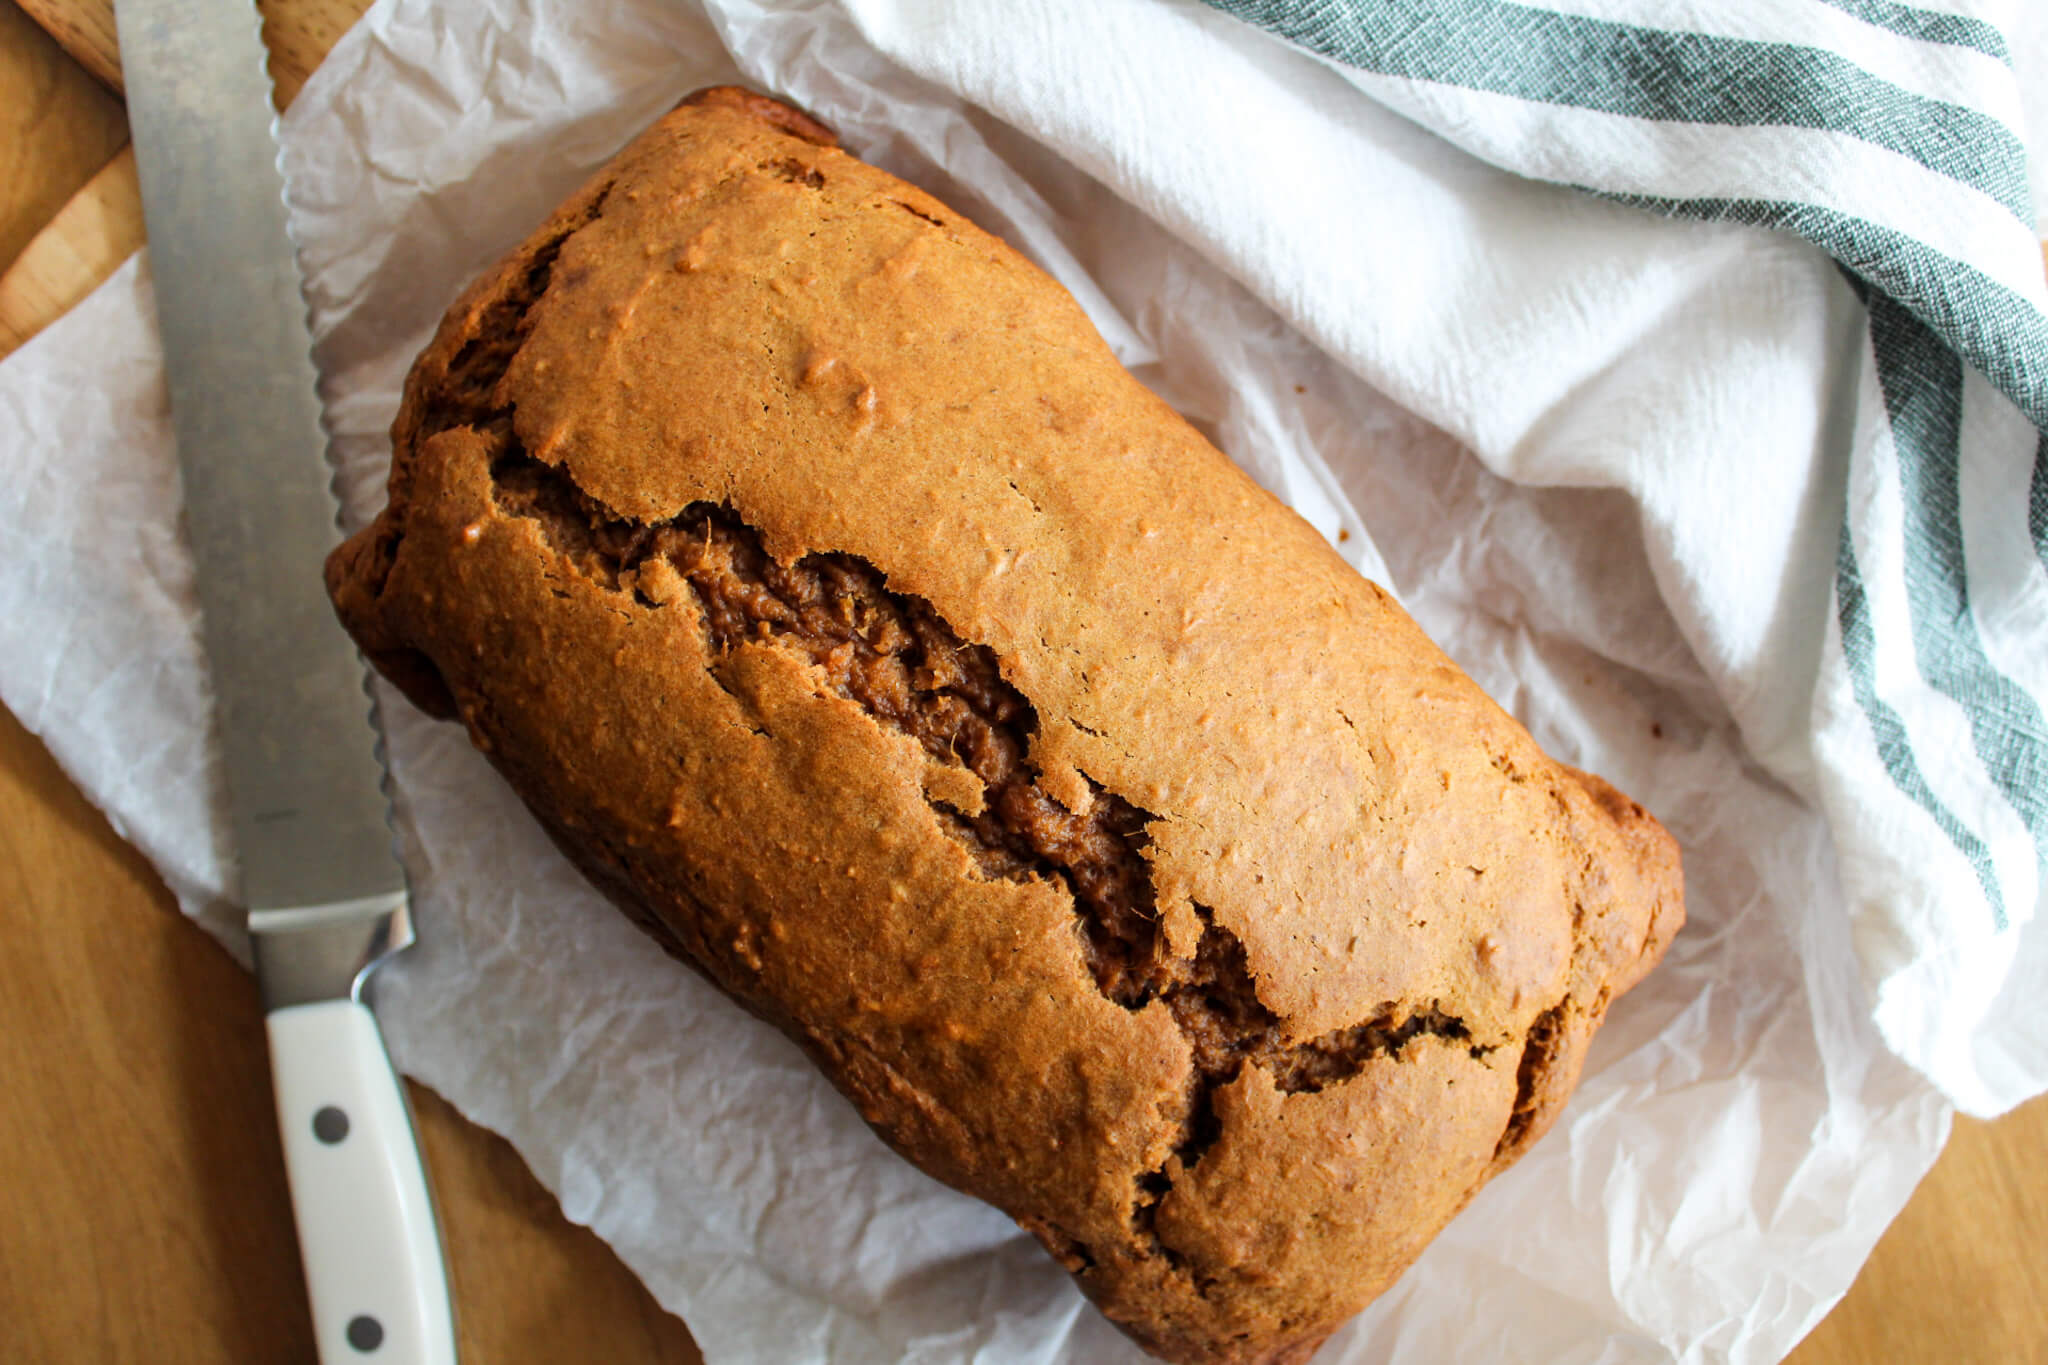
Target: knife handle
column 372, row 1254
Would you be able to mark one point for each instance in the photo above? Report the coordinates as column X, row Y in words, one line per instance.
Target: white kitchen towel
column 1279, row 253
column 1892, row 138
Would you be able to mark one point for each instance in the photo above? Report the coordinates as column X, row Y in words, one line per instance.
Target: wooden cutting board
column 137, row 1139
column 102, row 226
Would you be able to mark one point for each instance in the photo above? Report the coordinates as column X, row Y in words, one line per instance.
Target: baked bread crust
column 847, row 613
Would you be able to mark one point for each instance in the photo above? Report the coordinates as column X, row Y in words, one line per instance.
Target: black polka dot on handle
column 330, row 1124
column 365, row 1333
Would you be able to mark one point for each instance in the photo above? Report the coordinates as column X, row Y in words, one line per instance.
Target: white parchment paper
column 1741, row 1136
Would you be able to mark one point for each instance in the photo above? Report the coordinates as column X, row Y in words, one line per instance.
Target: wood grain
column 297, row 32
column 1960, row 1276
column 101, row 226
column 85, row 29
column 87, row 241
column 57, row 126
column 143, row 1191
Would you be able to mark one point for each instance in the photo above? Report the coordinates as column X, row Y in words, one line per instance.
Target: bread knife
column 326, row 895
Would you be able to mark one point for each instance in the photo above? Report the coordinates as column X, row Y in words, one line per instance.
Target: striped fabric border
column 1894, row 748
column 2037, row 502
column 1928, row 26
column 2002, row 334
column 1923, row 394
column 1933, row 315
column 1589, row 63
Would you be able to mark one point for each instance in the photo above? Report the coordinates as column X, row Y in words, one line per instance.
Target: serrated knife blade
column 326, row 895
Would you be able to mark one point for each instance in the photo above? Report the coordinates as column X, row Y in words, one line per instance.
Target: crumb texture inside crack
column 909, row 670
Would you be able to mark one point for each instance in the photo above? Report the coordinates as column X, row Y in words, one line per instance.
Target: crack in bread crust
column 468, row 394
column 893, row 655
column 907, row 669
column 1538, row 1052
column 1096, row 1086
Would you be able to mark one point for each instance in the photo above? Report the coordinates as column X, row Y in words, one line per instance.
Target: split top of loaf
column 838, row 603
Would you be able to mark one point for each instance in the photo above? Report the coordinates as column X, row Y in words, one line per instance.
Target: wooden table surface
column 143, row 1199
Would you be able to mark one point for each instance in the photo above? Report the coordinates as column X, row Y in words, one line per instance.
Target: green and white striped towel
column 1831, row 427
column 1890, row 136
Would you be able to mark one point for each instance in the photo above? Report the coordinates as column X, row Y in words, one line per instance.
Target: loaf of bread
column 840, row 606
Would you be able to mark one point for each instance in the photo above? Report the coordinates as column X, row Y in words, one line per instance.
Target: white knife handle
column 366, row 1227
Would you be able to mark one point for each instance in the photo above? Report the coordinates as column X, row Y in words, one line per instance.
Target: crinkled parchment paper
column 1739, row 1141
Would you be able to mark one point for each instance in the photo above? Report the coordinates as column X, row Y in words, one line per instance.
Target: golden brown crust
column 762, row 109
column 809, row 566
